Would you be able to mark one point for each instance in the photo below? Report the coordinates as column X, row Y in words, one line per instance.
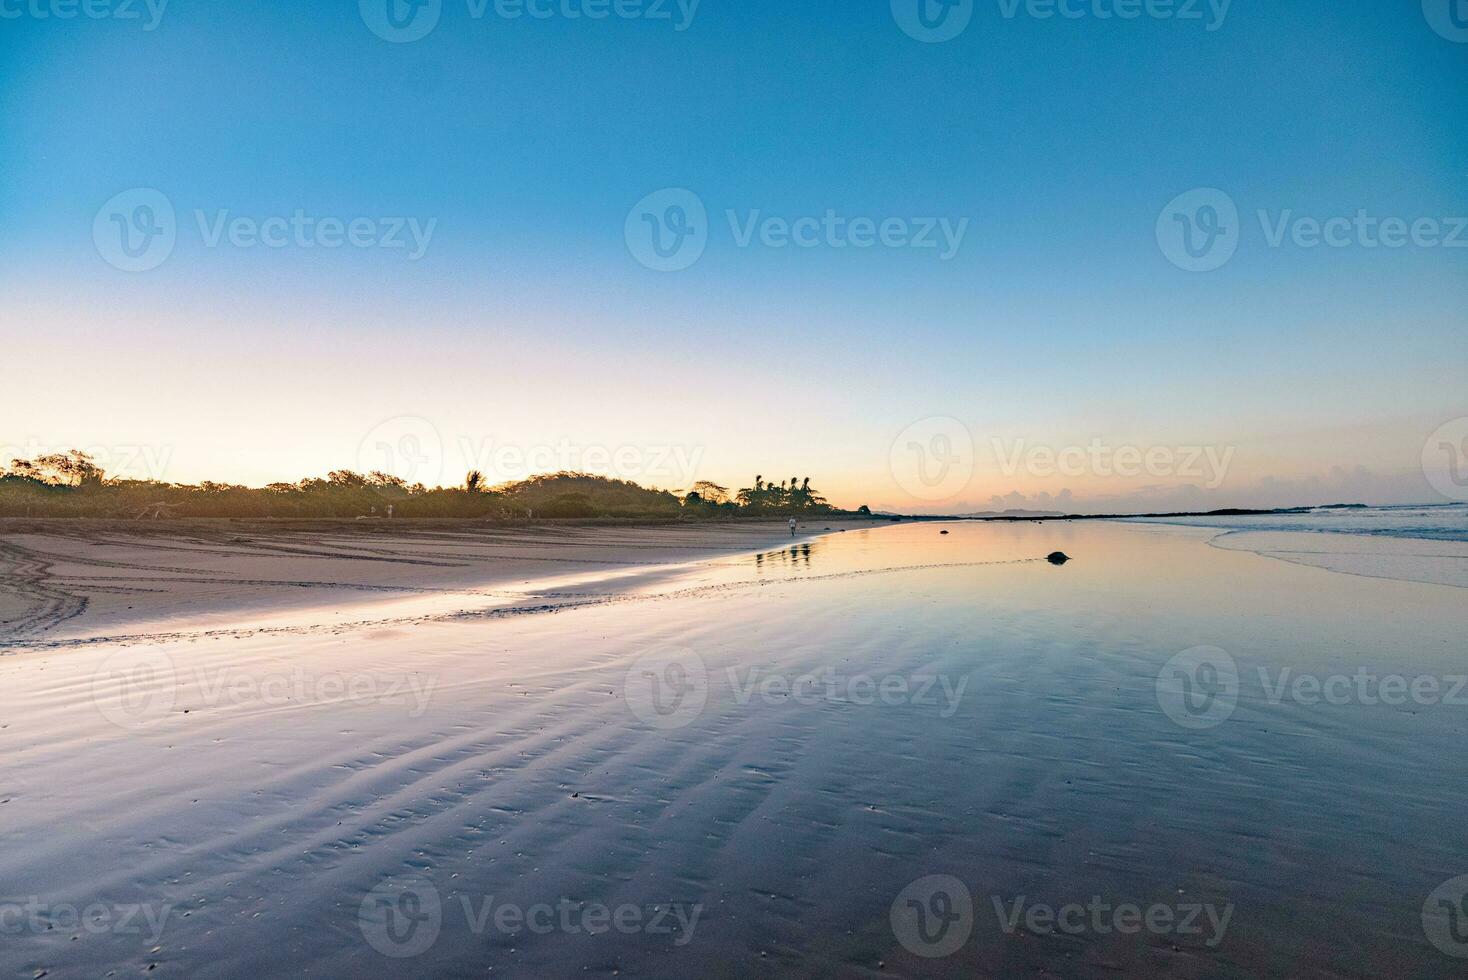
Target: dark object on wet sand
column 942, row 532
column 1057, row 558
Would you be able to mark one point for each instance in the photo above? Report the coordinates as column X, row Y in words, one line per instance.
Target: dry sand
column 70, row 579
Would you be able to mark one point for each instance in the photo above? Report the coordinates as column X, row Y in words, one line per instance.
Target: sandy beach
column 760, row 762
column 63, row 580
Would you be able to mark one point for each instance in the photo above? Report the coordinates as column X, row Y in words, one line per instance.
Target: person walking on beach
column 792, row 527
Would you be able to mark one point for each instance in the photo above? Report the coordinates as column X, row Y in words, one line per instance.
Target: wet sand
column 404, row 799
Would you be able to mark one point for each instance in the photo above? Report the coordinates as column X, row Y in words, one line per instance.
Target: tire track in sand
column 27, row 576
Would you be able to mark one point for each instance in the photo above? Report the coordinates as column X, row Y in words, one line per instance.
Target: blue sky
column 528, row 321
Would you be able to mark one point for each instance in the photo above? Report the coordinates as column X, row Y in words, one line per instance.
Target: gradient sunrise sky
column 529, row 328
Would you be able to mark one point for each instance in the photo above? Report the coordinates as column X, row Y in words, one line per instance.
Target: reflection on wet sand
column 896, row 759
column 795, row 556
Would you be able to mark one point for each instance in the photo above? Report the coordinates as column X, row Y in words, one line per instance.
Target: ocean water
column 1433, row 522
column 884, row 753
column 1413, row 544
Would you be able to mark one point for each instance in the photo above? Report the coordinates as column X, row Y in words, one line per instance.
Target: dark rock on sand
column 1057, row 558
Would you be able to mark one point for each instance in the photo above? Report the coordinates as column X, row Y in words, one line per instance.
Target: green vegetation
column 71, row 485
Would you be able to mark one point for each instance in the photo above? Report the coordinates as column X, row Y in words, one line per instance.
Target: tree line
column 72, row 485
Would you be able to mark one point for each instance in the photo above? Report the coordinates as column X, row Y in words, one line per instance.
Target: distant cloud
column 1337, row 485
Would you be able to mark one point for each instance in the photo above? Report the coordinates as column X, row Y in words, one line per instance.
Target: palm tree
column 473, row 481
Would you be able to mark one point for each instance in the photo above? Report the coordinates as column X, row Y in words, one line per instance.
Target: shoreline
column 68, row 580
column 1421, row 561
